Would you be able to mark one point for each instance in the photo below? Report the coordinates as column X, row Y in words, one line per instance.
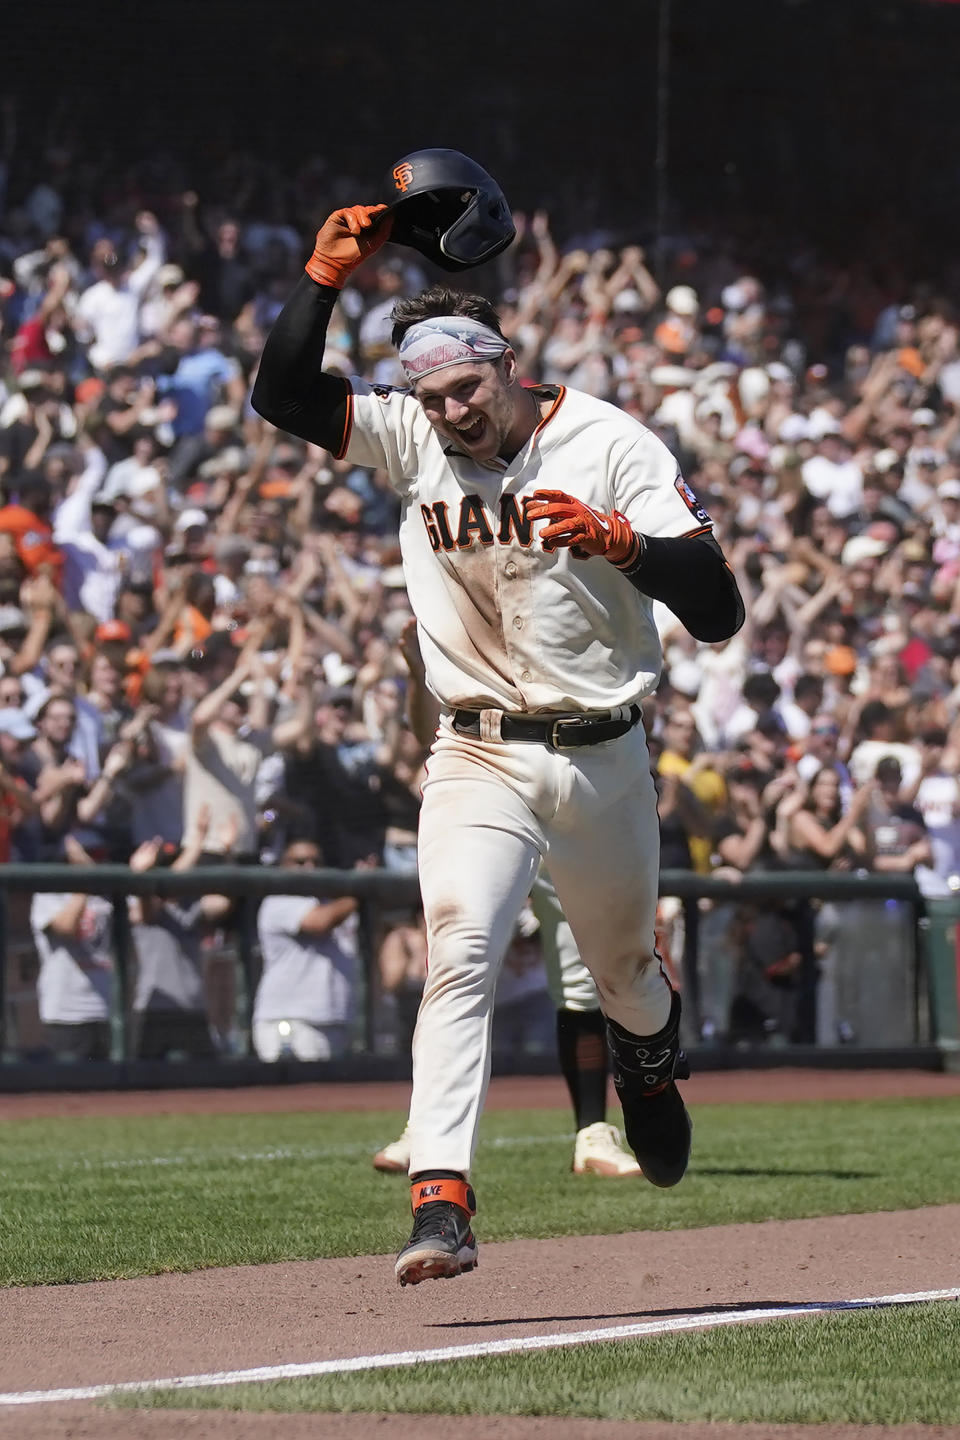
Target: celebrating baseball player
column 538, row 526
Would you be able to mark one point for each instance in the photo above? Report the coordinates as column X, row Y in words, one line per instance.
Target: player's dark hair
column 441, row 300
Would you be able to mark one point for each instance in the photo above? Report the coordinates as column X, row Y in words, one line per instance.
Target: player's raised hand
column 586, row 532
column 345, row 239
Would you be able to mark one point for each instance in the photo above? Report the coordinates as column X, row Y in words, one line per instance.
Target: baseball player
column 538, row 525
column 581, row 1031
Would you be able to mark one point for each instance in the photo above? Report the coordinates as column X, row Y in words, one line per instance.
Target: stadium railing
column 915, row 987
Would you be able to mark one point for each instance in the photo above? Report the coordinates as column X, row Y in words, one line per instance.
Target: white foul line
column 464, row 1352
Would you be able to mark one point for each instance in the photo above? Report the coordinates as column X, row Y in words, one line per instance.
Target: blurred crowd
column 204, row 631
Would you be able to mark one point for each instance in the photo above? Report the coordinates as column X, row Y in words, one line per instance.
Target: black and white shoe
column 655, row 1120
column 442, row 1243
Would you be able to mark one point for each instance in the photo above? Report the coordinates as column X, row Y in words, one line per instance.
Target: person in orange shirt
column 29, row 524
column 200, row 601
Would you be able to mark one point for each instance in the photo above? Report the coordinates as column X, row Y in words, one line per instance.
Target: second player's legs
column 580, row 1026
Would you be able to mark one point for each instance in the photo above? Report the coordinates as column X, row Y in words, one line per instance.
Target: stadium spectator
column 160, row 733
column 107, row 313
column 229, row 736
column 159, row 542
column 937, row 798
column 306, row 998
column 56, row 778
column 897, row 839
column 73, row 938
column 698, row 770
column 743, row 830
column 169, row 1012
column 814, row 830
column 16, row 797
column 402, row 969
column 524, row 1017
column 878, row 728
column 335, row 773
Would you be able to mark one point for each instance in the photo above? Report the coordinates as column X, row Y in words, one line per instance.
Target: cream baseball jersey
column 505, row 622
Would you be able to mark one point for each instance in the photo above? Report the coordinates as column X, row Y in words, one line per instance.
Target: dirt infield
column 75, row 1422
column 81, row 1423
column 220, row 1320
column 228, row 1319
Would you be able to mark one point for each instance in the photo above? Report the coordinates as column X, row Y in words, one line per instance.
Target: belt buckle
column 572, row 720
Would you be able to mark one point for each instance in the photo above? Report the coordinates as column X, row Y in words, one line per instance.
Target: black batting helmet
column 446, row 206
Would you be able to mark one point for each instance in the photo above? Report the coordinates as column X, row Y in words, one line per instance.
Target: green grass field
column 896, row 1366
column 105, row 1198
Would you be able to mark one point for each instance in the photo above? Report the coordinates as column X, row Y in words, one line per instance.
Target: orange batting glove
column 345, row 239
column 585, row 531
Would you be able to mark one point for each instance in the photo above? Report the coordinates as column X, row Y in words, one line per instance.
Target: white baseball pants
column 491, row 812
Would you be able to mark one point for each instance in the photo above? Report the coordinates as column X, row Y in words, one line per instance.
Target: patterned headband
column 448, row 340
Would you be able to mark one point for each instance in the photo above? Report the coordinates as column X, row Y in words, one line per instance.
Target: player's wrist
column 625, row 550
column 326, row 271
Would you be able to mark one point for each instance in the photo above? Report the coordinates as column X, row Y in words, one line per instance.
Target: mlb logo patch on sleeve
column 691, row 502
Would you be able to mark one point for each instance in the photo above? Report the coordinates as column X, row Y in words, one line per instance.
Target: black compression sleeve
column 582, row 1052
column 291, row 389
column 689, row 574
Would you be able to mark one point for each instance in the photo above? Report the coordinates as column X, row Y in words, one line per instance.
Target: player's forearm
column 291, row 389
column 689, row 574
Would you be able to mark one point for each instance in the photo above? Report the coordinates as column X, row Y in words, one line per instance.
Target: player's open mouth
column 473, row 431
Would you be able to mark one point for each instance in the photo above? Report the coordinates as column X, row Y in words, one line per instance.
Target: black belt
column 563, row 732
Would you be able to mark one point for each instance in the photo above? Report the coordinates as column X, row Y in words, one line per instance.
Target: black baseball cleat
column 441, row 1244
column 655, row 1119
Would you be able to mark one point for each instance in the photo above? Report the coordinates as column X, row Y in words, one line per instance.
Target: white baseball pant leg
column 478, row 853
column 489, row 812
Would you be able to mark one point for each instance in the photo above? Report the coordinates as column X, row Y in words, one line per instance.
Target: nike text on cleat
column 441, row 1243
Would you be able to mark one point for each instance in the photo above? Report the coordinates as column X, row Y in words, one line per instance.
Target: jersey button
column 510, row 570
column 526, row 675
column 517, row 622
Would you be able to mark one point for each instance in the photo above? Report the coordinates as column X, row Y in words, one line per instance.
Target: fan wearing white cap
column 677, row 331
column 191, row 519
column 538, row 525
column 832, row 475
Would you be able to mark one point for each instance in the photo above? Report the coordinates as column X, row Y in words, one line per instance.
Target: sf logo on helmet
column 403, row 176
